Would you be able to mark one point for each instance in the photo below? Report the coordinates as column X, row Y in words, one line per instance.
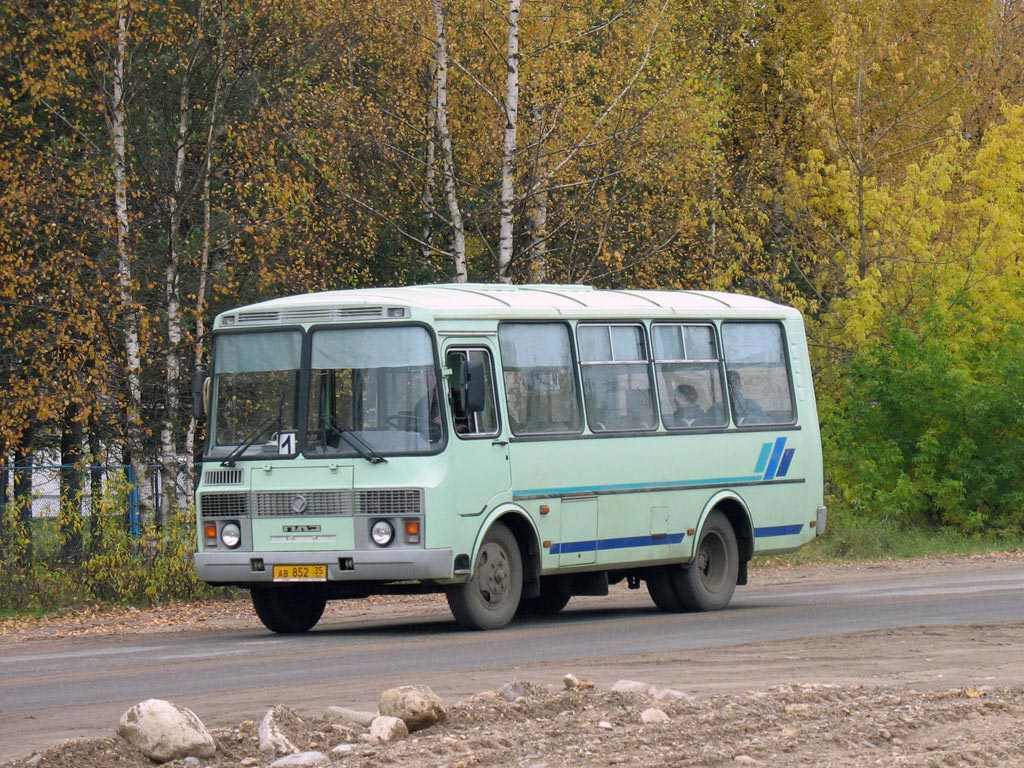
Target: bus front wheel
column 288, row 610
column 707, row 583
column 490, row 598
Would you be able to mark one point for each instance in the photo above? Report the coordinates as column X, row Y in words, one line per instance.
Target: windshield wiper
column 229, row 460
column 363, row 448
column 278, row 419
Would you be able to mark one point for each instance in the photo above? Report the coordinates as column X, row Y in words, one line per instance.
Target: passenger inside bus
column 687, row 411
column 744, row 410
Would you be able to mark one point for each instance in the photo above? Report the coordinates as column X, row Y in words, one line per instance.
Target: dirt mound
column 819, row 725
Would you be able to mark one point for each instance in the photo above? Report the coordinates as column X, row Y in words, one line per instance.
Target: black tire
column 708, row 582
column 490, row 598
column 549, row 602
column 661, row 589
column 288, row 610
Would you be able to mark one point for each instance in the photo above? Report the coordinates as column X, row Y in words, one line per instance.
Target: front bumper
column 352, row 566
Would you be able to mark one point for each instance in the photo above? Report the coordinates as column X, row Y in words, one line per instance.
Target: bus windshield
column 372, row 391
column 255, row 383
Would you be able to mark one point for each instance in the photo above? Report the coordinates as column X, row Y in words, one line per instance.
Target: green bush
column 110, row 565
column 928, row 431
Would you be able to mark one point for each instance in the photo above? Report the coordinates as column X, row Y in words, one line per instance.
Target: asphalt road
column 800, row 625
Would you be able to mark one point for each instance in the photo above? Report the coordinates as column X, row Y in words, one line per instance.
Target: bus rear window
column 757, row 372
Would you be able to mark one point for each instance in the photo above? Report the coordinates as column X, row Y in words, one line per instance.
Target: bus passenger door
column 477, row 445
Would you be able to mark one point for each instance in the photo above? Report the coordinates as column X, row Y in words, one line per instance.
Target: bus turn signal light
column 210, row 530
column 412, row 531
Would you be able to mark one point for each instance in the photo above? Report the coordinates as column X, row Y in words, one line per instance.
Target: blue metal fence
column 43, row 488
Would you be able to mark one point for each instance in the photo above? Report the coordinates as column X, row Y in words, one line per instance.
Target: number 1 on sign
column 286, row 443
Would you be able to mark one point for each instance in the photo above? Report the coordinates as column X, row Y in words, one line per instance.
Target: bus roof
column 478, row 300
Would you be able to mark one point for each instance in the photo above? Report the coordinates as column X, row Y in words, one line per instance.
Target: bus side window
column 617, row 388
column 472, row 419
column 691, row 394
column 758, row 373
column 540, row 378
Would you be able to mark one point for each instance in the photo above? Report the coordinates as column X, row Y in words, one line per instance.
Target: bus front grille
column 224, row 476
column 391, row 501
column 224, row 504
column 329, row 503
column 302, row 503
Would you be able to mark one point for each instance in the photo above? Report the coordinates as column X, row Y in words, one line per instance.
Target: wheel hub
column 493, row 574
column 711, row 561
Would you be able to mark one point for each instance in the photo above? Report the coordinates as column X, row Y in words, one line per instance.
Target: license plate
column 300, row 573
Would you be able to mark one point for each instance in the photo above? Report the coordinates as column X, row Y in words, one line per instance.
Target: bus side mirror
column 200, row 393
column 473, row 386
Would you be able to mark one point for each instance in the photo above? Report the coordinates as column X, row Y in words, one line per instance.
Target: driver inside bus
column 460, row 417
column 427, row 413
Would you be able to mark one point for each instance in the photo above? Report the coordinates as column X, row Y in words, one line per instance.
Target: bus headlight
column 231, row 535
column 382, row 533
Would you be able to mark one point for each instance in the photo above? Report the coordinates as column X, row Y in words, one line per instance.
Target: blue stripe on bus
column 787, row 457
column 779, row 530
column 762, row 460
column 666, row 485
column 625, row 542
column 776, row 457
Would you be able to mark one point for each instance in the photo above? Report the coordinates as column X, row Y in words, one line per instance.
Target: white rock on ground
column 272, row 738
column 653, row 692
column 387, row 729
column 654, row 715
column 301, row 760
column 416, row 705
column 353, row 716
column 163, row 731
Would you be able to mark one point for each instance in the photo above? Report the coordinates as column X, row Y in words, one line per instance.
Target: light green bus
column 510, row 446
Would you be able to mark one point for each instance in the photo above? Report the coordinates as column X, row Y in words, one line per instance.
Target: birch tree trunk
column 202, row 286
column 508, row 145
column 429, row 167
column 172, row 298
column 130, row 315
column 538, row 236
column 445, row 140
column 538, row 221
column 7, row 532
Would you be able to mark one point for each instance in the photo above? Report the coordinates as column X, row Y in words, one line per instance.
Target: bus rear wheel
column 490, row 598
column 708, row 582
column 662, row 590
column 288, row 610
